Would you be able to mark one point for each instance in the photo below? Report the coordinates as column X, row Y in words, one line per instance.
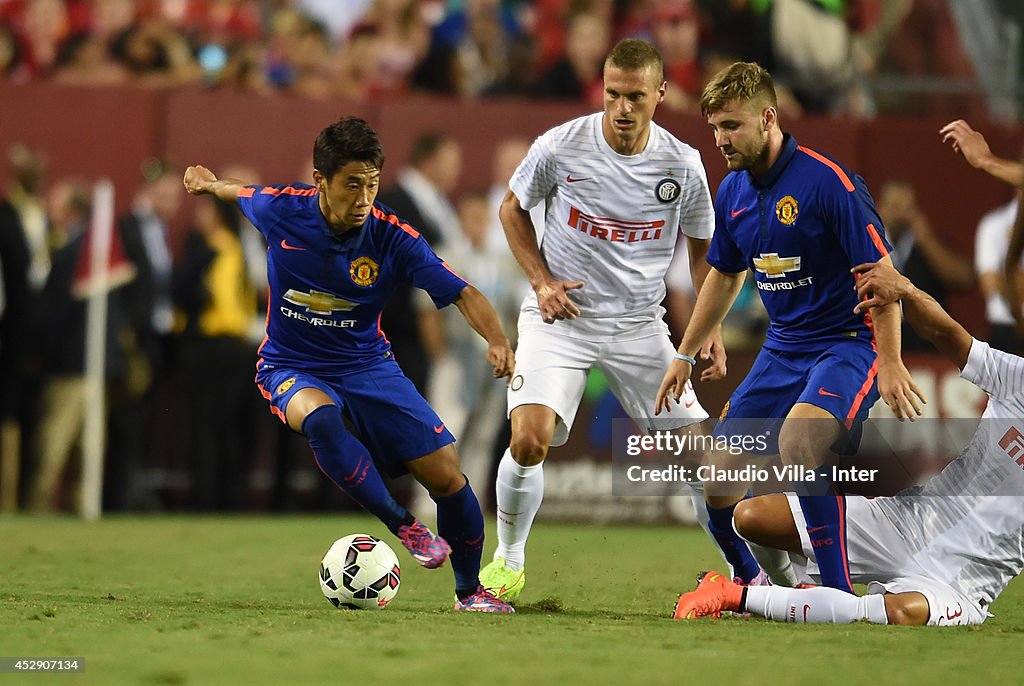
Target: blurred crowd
column 185, row 427
column 825, row 53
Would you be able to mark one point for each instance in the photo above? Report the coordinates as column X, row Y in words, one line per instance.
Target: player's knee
column 440, row 472
column 748, row 518
column 448, row 483
column 528, row 448
column 906, row 609
column 796, row 446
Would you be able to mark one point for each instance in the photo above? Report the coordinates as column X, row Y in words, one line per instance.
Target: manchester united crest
column 364, row 271
column 786, row 210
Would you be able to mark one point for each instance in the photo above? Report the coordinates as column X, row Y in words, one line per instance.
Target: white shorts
column 879, row 557
column 551, row 370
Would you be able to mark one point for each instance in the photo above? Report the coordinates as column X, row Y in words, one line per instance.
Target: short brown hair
column 634, row 53
column 742, row 81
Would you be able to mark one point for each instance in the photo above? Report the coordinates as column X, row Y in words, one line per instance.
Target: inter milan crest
column 667, row 190
column 364, row 271
column 786, row 210
column 517, row 382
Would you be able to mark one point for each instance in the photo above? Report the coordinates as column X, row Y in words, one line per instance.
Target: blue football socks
column 733, row 547
column 347, row 462
column 460, row 522
column 824, row 509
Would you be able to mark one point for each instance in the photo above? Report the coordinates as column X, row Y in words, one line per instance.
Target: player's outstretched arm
column 480, row 315
column 973, row 146
column 713, row 348
column 200, row 180
column 880, row 284
column 552, row 294
column 717, row 295
column 895, row 384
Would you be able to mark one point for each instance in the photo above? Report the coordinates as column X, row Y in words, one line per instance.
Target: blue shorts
column 840, row 380
column 389, row 414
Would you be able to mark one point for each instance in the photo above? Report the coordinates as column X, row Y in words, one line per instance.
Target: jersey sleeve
column 263, row 205
column 698, row 214
column 535, row 176
column 849, row 206
column 999, row 374
column 723, row 253
column 421, row 267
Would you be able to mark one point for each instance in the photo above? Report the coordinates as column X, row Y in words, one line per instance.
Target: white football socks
column 821, row 605
column 776, row 564
column 519, row 491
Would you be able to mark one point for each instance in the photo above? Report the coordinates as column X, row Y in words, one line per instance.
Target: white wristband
column 686, row 358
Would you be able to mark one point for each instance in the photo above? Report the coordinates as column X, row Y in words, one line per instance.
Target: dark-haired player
column 334, row 258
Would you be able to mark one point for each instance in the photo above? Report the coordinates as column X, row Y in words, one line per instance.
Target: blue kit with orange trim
column 327, row 292
column 800, row 227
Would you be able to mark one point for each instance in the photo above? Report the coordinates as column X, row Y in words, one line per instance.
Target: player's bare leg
column 768, row 521
column 806, row 440
column 520, row 491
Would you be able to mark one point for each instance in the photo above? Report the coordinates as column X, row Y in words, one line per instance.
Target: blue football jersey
column 800, row 227
column 327, row 291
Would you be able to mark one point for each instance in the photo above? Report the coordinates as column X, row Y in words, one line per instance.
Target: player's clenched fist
column 554, row 302
column 502, row 359
column 198, row 179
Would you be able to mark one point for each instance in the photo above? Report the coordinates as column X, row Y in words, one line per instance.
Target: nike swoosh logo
column 736, row 213
column 822, row 391
column 572, row 180
column 688, row 404
column 439, row 429
column 284, row 244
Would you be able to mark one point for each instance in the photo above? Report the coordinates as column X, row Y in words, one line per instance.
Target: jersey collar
column 341, row 238
column 771, row 176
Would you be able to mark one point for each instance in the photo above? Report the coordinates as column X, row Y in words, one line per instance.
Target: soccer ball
column 360, row 571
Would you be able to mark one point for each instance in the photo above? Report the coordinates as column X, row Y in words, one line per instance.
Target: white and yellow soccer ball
column 360, row 571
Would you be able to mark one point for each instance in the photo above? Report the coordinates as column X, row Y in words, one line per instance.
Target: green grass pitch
column 225, row 600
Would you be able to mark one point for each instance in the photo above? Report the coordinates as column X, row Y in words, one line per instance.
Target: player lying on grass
column 935, row 554
column 334, row 258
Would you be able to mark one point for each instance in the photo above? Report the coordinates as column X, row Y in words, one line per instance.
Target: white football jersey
column 612, row 221
column 965, row 526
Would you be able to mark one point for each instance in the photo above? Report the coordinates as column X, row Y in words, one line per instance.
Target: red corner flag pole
column 94, row 281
